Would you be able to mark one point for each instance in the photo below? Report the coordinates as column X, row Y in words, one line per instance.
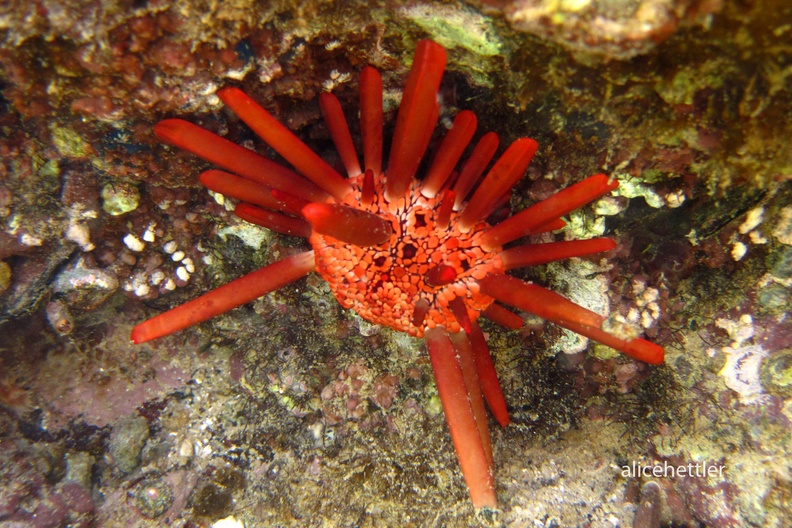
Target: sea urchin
column 417, row 255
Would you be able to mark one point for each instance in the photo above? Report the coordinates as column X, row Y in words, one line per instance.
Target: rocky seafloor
column 293, row 412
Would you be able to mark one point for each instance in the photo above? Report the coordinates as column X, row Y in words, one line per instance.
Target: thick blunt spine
column 238, row 160
column 347, row 224
column 509, row 168
column 563, row 312
column 371, row 120
column 280, row 223
column 474, row 167
column 461, row 419
column 285, row 142
column 561, row 203
column 417, row 116
column 451, row 149
column 235, row 293
column 339, row 130
column 535, row 254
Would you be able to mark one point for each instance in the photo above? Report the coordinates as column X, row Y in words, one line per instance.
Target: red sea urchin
column 414, row 254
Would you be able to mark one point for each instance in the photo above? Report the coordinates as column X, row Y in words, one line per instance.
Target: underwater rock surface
column 294, row 412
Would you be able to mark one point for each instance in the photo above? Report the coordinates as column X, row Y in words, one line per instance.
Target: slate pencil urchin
column 412, row 252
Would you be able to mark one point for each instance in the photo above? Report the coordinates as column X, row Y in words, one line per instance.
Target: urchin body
column 385, row 283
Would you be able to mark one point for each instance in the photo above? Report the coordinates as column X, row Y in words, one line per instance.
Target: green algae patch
column 69, row 143
column 453, row 26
